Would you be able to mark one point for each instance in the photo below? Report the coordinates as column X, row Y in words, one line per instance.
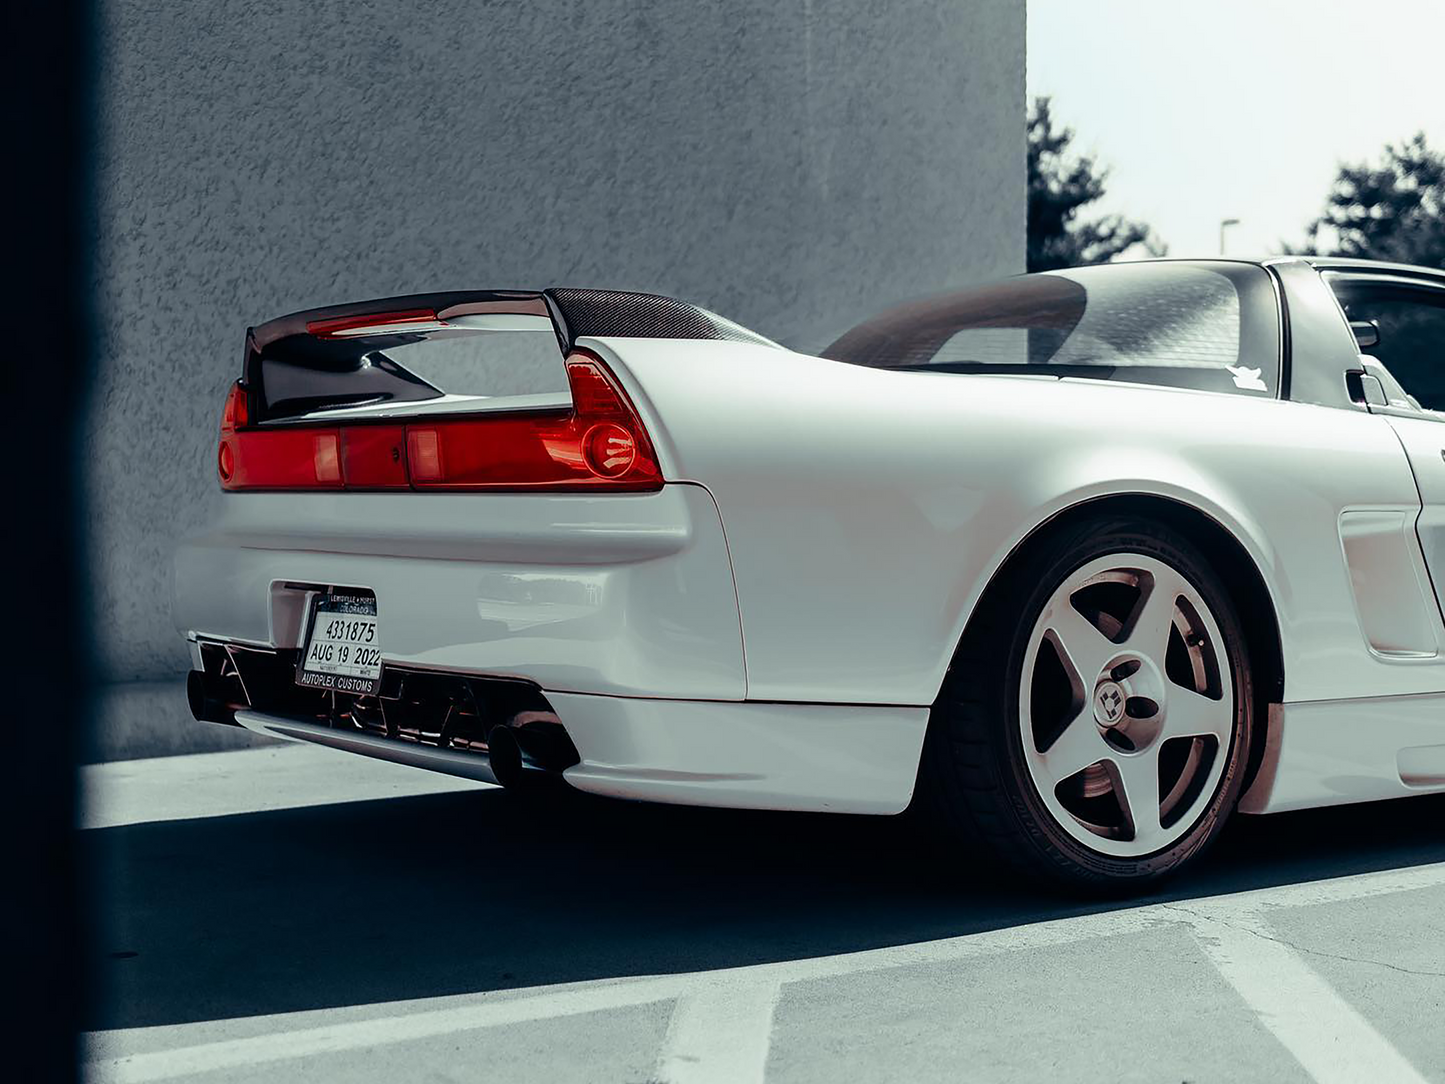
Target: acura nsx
column 1080, row 563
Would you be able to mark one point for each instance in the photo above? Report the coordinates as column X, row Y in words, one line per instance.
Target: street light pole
column 1224, row 223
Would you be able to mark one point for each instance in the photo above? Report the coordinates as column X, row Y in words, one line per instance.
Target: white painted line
column 719, row 1033
column 1334, row 1043
column 363, row 1034
column 543, row 1003
column 1077, row 928
column 1354, row 886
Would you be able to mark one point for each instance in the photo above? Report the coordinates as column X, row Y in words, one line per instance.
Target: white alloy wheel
column 1126, row 723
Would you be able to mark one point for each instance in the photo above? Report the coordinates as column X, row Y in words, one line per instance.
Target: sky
column 1214, row 109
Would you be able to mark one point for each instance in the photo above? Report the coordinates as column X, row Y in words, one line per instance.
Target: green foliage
column 1059, row 185
column 1393, row 211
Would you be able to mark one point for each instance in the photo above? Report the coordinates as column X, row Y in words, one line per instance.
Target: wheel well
column 1237, row 569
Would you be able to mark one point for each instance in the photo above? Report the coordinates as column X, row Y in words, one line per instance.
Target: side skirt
column 1333, row 752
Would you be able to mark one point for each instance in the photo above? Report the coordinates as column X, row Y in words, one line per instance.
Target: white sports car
column 1082, row 561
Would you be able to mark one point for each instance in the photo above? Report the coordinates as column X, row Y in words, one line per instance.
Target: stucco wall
column 792, row 164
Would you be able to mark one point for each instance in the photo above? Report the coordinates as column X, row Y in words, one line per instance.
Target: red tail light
column 374, row 457
column 599, row 444
column 237, row 412
column 281, row 459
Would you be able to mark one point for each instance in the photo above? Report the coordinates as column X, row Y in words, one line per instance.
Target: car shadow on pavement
column 457, row 893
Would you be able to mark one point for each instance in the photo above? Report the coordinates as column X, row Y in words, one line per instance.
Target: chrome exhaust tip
column 505, row 753
column 206, row 706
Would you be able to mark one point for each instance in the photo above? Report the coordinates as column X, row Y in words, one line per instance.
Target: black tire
column 973, row 780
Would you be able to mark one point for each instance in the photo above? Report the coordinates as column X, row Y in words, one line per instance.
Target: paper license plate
column 342, row 648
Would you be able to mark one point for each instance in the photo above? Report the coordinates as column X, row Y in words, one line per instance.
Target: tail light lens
column 562, row 450
column 599, row 444
column 237, row 412
column 281, row 459
column 374, row 457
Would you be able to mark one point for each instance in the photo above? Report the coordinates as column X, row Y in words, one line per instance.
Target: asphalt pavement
column 298, row 914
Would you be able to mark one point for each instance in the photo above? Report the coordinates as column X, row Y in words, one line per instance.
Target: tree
column 1393, row 211
column 1059, row 186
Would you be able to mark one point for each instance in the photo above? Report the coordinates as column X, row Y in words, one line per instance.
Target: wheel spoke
column 1138, row 778
column 1085, row 649
column 1191, row 715
column 1109, row 682
column 1075, row 749
column 1150, row 632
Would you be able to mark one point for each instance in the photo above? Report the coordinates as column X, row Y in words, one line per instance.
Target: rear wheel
column 1096, row 722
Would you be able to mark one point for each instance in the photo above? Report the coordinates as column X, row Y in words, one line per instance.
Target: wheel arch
column 1247, row 587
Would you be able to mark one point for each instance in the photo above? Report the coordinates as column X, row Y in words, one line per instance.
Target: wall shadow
column 446, row 894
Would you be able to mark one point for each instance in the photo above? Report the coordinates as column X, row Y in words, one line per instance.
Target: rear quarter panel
column 866, row 510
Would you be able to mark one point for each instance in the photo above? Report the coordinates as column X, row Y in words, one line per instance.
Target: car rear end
column 428, row 576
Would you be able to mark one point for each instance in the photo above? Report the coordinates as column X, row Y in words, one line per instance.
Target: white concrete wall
column 792, row 164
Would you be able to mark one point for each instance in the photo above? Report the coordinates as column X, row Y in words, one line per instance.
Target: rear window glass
column 301, row 373
column 487, row 362
column 1210, row 326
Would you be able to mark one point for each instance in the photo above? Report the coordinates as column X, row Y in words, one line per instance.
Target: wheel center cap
column 1108, row 703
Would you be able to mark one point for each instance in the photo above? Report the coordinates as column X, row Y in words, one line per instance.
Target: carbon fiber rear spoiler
column 574, row 314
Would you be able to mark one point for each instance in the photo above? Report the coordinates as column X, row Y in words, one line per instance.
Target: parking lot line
column 739, row 1002
column 361, row 1034
column 1332, row 1041
column 720, row 1033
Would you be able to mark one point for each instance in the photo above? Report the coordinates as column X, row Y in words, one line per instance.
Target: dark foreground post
column 46, row 613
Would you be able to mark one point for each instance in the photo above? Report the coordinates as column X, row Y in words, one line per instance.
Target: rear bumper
column 840, row 758
column 806, row 757
column 612, row 618
column 620, row 594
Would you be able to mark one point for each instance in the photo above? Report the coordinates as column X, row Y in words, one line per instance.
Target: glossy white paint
column 625, row 593
column 866, row 510
column 1336, row 752
column 1391, row 586
column 822, row 757
column 1423, row 438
